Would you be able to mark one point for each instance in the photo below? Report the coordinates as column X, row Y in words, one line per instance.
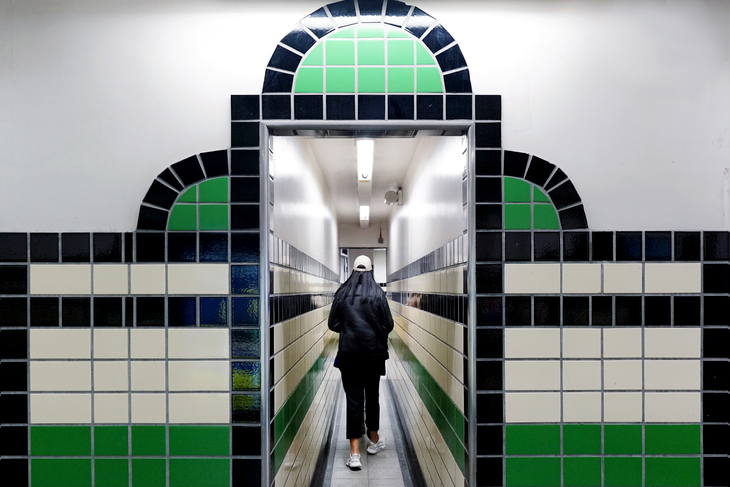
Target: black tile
column 575, row 246
column 489, row 135
column 370, row 10
column 340, row 107
column 152, row 219
column 489, row 343
column 488, row 246
column 575, row 310
column 717, row 245
column 715, row 407
column 246, row 472
column 489, row 408
column 245, row 279
column 14, row 312
column 687, row 246
column 14, row 442
column 488, row 107
column 715, row 278
column 438, row 38
column 539, row 171
column 284, row 59
column 215, row 163
column 451, row 59
column 601, row 310
column 129, row 247
column 489, row 471
column 714, row 343
column 13, row 409
column 715, row 439
column 244, row 217
column 299, row 39
column 343, row 12
column 244, row 190
column 396, row 12
column 14, row 376
column 371, row 107
column 13, row 247
column 182, row 247
column 489, row 311
column 602, row 246
column 14, row 279
column 214, row 311
column 488, row 163
column 556, row 179
column 75, row 247
column 716, row 471
column 628, row 310
column 181, row 311
column 245, row 162
column 458, row 107
column 246, row 440
column 564, row 195
column 150, row 311
column 277, row 82
column 489, row 278
column 658, row 246
column 245, row 107
column 488, row 190
column 687, row 311
column 213, row 247
column 276, row 107
column 429, row 107
column 160, row 195
column 245, row 134
column 107, row 247
column 489, row 217
column 44, row 312
column 75, row 312
column 716, row 310
column 515, row 163
column 715, row 375
column 517, row 310
column 308, row 107
column 107, row 311
column 13, row 344
column 44, row 247
column 318, row 22
column 517, row 246
column 547, row 246
column 628, row 246
column 170, row 179
column 150, row 247
column 657, row 310
column 489, row 441
column 419, row 22
column 401, row 107
column 129, row 312
column 573, row 218
column 189, row 170
column 489, row 375
column 458, row 82
column 245, row 247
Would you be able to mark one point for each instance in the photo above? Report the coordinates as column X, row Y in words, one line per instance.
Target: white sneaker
column 354, row 462
column 374, row 448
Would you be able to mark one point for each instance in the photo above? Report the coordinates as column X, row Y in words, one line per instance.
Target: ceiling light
column 365, row 149
column 364, row 213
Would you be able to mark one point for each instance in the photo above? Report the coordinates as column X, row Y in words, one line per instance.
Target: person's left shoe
column 354, row 462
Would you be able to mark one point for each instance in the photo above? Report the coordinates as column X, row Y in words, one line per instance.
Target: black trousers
column 362, row 391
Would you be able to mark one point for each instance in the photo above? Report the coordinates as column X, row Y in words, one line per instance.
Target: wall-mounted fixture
column 392, row 197
column 364, row 216
column 365, row 150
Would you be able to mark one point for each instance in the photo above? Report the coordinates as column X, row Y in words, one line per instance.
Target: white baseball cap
column 362, row 264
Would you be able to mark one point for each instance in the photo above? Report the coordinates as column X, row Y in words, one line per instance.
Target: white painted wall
column 630, row 98
column 351, row 235
column 304, row 215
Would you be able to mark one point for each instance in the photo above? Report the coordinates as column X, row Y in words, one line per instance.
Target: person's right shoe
column 354, row 462
column 374, row 448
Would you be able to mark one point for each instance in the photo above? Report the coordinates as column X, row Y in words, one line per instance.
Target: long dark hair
column 360, row 283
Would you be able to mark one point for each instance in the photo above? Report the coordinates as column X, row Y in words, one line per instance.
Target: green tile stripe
column 203, row 206
column 526, row 207
column 448, row 418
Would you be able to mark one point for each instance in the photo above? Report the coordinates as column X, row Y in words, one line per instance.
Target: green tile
column 149, row 472
column 372, row 31
column 213, row 217
column 622, row 439
column 60, row 440
column 371, row 80
column 400, row 80
column 673, row 438
column 346, row 33
column 111, row 472
column 111, row 440
column 538, row 195
column 371, row 53
column 582, row 472
column 200, row 440
column 194, row 472
column 622, row 472
column 148, row 440
column 533, row 472
column 189, row 196
column 545, row 217
column 517, row 217
column 310, row 80
column 315, row 56
column 516, row 190
column 397, row 33
column 532, row 439
column 423, row 55
column 340, row 80
column 673, row 472
column 339, row 53
column 429, row 80
column 581, row 439
column 400, row 52
column 183, row 217
column 56, row 472
column 214, row 191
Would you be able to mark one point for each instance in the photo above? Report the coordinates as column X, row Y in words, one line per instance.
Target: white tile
column 582, row 375
column 532, row 343
column 111, row 408
column 621, row 278
column 673, row 277
column 147, row 343
column 581, row 278
column 113, row 343
column 622, row 342
column 672, row 342
column 148, row 375
column 60, row 279
column 529, row 375
column 672, row 375
column 111, row 279
column 60, row 376
column 200, row 408
column 582, row 407
column 60, row 408
column 581, row 343
column 198, row 278
column 622, row 374
column 672, row 407
column 111, row 376
column 148, row 408
column 60, row 343
column 198, row 343
column 199, row 375
column 529, row 407
column 620, row 407
column 532, row 278
column 148, row 278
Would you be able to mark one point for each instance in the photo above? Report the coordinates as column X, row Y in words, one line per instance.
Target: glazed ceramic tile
column 582, row 407
column 60, row 279
column 147, row 375
column 531, row 343
column 198, row 278
column 55, row 376
column 581, row 343
column 147, row 279
column 672, row 342
column 672, row 407
column 622, row 374
column 204, row 408
column 200, row 375
column 60, row 344
column 581, row 375
column 622, row 342
column 60, row 408
column 111, row 408
column 111, row 343
column 620, row 407
column 149, row 408
column 538, row 375
column 111, row 279
column 111, row 375
column 527, row 407
column 582, row 278
column 672, row 375
column 622, row 278
column 531, row 278
column 198, row 343
column 673, row 277
column 147, row 343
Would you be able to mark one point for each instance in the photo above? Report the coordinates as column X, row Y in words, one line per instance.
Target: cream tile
column 582, row 407
column 532, row 343
column 148, row 408
column 198, row 278
column 198, row 343
column 672, row 407
column 111, row 408
column 111, row 376
column 672, row 375
column 200, row 408
column 60, row 376
column 620, row 407
column 529, row 407
column 673, row 277
column 581, row 278
column 622, row 342
column 622, row 374
column 582, row 375
column 672, row 342
column 147, row 343
column 148, row 375
column 111, row 343
column 61, row 343
column 528, row 375
column 111, row 279
column 581, row 343
column 199, row 375
column 60, row 279
column 531, row 278
column 621, row 278
column 147, row 279
column 60, row 408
